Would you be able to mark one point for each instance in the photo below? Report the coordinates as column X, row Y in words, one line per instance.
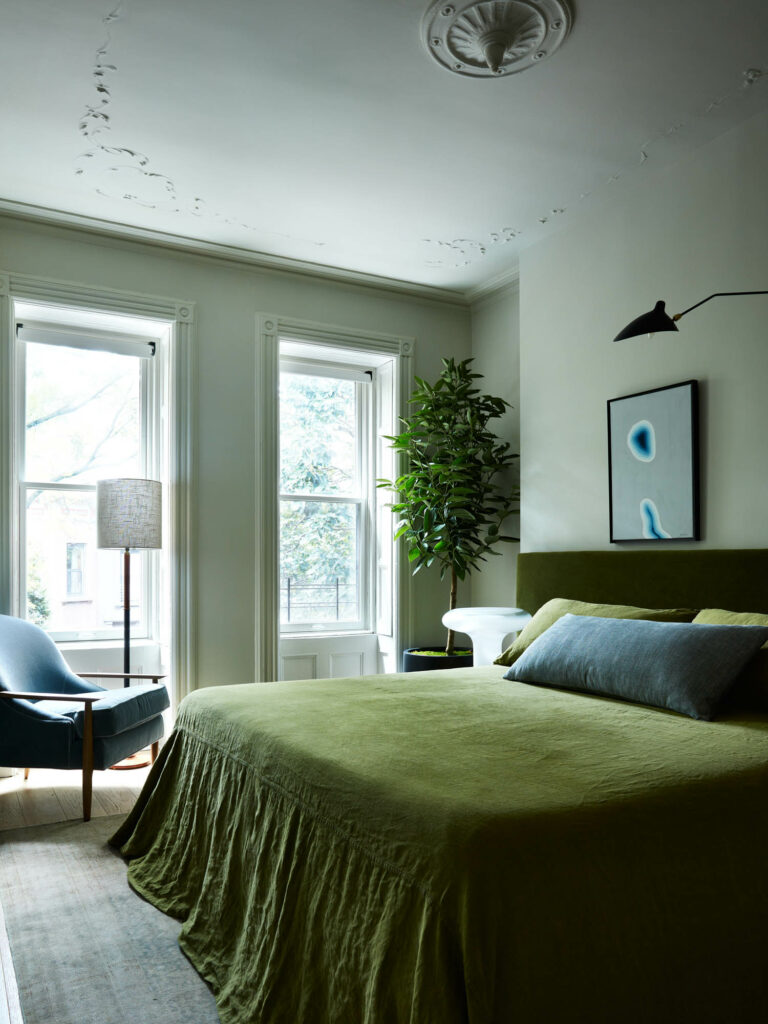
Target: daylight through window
column 324, row 498
column 86, row 414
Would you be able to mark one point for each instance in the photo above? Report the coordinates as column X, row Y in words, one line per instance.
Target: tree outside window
column 322, row 500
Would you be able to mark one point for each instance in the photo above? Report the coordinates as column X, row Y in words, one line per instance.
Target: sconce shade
column 655, row 320
column 129, row 513
column 659, row 320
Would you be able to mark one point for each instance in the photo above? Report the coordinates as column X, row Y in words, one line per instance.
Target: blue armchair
column 51, row 718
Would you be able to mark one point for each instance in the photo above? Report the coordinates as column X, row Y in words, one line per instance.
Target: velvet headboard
column 734, row 579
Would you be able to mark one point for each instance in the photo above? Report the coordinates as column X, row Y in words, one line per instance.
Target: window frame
column 152, row 377
column 176, row 319
column 362, row 500
column 391, row 356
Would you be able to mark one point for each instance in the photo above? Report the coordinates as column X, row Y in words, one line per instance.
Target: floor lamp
column 129, row 515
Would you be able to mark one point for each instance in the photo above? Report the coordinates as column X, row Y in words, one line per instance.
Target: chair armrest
column 154, row 676
column 85, row 698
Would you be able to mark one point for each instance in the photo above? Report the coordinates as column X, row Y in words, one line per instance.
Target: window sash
column 356, row 625
column 140, row 630
column 360, row 498
column 152, row 458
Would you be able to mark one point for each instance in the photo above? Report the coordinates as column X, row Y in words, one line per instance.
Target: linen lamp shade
column 129, row 513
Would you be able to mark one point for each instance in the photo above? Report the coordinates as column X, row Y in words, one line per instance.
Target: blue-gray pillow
column 674, row 665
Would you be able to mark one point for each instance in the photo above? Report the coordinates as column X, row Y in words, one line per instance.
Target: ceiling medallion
column 492, row 38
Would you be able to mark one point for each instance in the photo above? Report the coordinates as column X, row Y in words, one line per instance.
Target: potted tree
column 453, row 493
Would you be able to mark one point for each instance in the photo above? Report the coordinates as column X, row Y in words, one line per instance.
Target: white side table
column 487, row 628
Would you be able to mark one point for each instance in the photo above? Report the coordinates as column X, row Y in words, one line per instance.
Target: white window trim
column 270, row 328
column 180, row 318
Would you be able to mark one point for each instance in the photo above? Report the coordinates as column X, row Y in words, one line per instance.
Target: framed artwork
column 653, row 464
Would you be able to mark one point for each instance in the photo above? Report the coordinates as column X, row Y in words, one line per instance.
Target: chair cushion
column 116, row 711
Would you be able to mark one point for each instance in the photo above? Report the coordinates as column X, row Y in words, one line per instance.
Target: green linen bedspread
column 446, row 847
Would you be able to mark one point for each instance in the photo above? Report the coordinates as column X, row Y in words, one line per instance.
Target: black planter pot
column 413, row 662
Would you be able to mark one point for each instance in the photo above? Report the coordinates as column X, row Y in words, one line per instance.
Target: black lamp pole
column 127, row 616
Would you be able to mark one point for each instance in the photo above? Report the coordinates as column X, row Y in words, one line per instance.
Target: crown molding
column 228, row 253
column 493, row 284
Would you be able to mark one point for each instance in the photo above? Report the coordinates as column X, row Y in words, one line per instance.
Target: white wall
column 697, row 228
column 228, row 296
column 496, row 353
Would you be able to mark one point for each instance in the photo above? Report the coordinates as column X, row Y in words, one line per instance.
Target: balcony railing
column 334, row 601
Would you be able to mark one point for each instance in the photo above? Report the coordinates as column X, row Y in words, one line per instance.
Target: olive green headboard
column 733, row 579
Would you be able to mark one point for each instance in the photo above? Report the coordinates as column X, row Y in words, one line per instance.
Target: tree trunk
column 451, row 606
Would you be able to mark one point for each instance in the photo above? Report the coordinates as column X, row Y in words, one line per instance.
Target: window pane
column 62, row 556
column 75, row 566
column 318, row 562
column 83, row 418
column 318, row 444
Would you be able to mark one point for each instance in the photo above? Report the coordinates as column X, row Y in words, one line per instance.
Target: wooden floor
column 48, row 796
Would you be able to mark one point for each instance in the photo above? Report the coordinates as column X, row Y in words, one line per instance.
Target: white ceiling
column 320, row 130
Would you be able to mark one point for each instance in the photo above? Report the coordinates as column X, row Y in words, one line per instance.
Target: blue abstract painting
column 653, row 464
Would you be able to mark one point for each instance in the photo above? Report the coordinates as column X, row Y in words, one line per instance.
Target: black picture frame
column 653, row 465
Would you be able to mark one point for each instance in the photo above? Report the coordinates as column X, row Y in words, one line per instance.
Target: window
column 89, row 408
column 325, row 497
column 75, row 566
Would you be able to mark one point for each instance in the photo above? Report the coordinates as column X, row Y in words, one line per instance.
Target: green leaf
column 454, row 493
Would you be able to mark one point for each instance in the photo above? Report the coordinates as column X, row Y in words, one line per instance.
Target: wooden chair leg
column 26, row 773
column 155, row 750
column 87, row 762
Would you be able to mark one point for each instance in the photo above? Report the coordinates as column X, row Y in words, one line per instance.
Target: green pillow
column 553, row 610
column 750, row 691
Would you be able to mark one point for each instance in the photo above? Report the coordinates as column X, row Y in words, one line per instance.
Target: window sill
column 324, row 634
column 104, row 645
column 107, row 655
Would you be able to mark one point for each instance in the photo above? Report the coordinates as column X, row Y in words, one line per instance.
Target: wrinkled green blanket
column 447, row 847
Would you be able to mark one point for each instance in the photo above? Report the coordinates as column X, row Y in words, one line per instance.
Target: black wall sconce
column 658, row 319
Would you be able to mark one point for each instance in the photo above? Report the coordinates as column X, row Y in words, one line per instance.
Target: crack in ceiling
column 125, row 173
column 470, row 250
column 120, row 172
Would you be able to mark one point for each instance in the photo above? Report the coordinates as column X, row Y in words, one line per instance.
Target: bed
column 456, row 848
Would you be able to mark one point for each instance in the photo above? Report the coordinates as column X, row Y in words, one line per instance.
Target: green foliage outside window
column 38, row 608
column 318, row 539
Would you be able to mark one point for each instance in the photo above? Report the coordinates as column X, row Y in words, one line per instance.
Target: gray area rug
column 86, row 948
